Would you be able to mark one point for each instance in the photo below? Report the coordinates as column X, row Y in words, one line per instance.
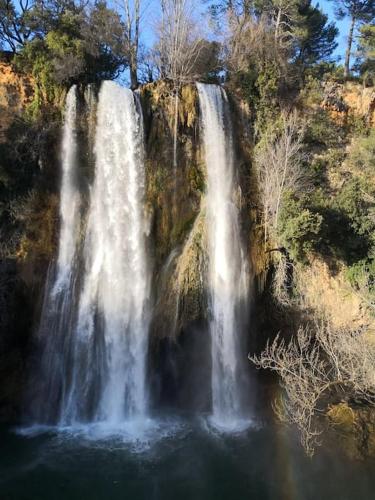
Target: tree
column 316, row 368
column 14, row 31
column 366, row 46
column 103, row 39
column 130, row 11
column 283, row 15
column 178, row 41
column 358, row 11
column 72, row 42
column 177, row 49
column 278, row 161
column 314, row 36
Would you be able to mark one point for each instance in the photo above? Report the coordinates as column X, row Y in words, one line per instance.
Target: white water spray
column 227, row 269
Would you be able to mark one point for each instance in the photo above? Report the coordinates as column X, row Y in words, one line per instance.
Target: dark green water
column 180, row 460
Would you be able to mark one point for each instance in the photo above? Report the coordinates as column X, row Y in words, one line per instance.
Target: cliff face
column 16, row 93
column 15, row 311
column 174, row 199
column 350, row 100
column 330, row 296
column 28, row 221
column 175, row 208
column 176, row 204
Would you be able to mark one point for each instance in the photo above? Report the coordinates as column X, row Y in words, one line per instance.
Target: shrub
column 362, row 154
column 299, row 228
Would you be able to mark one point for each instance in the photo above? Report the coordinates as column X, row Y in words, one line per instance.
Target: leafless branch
column 315, row 368
column 278, row 161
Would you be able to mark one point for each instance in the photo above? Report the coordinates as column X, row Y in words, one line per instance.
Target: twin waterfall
column 97, row 311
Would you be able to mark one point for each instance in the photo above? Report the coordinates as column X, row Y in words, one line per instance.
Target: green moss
column 197, row 179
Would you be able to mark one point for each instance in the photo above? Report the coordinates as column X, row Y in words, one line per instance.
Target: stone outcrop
column 330, row 296
column 349, row 99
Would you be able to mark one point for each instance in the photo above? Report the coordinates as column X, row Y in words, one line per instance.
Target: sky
column 343, row 26
column 327, row 6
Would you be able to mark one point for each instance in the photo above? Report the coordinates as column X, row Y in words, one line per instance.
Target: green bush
column 361, row 276
column 322, row 131
column 351, row 201
column 299, row 228
column 348, row 228
column 362, row 273
column 362, row 154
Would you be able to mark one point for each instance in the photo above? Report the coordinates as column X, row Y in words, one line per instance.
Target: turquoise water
column 179, row 459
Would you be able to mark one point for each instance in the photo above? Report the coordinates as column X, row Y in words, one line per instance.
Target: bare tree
column 252, row 37
column 177, row 49
column 278, row 161
column 131, row 12
column 179, row 40
column 318, row 368
column 283, row 14
column 244, row 38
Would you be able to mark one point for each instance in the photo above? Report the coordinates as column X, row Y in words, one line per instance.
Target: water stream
column 227, row 275
column 96, row 363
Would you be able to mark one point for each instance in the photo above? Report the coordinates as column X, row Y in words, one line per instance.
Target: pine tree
column 366, row 45
column 358, row 11
column 315, row 37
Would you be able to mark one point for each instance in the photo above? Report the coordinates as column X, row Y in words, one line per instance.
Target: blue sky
column 326, row 5
column 343, row 26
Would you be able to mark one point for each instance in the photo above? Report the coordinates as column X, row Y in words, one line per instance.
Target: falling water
column 69, row 197
column 227, row 271
column 97, row 362
column 58, row 310
column 108, row 382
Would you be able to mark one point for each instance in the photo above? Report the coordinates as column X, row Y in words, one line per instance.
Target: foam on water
column 136, row 435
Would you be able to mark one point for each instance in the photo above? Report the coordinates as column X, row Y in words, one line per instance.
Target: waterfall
column 69, row 196
column 97, row 362
column 58, row 308
column 112, row 325
column 227, row 269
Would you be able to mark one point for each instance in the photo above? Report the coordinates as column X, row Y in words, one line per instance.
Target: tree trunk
column 133, row 76
column 175, row 131
column 277, row 27
column 349, row 48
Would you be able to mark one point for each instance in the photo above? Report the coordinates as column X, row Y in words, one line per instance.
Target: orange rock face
column 342, row 100
column 16, row 93
column 361, row 101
